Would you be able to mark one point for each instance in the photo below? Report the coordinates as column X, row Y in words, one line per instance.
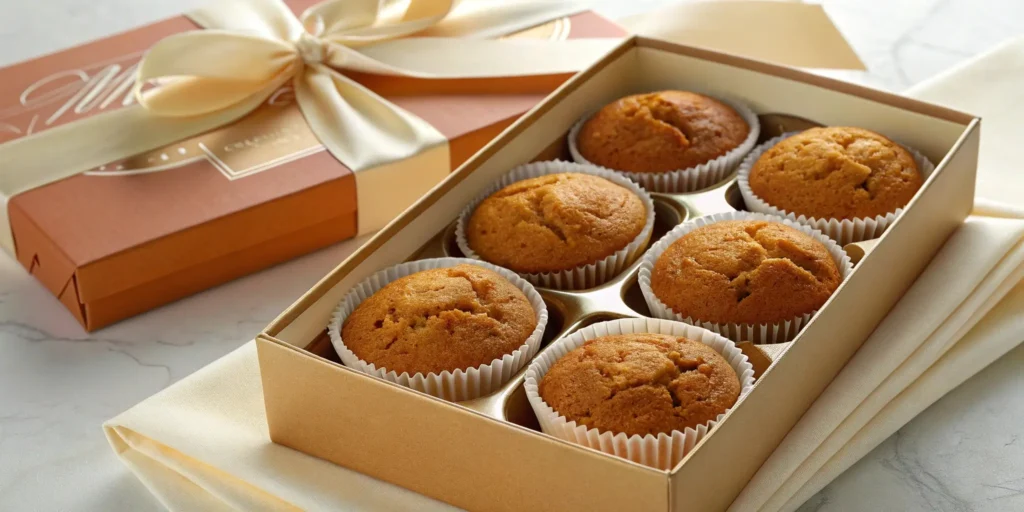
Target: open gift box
column 489, row 454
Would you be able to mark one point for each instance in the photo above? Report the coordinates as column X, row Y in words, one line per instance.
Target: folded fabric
column 979, row 265
column 969, row 294
column 202, row 444
column 995, row 335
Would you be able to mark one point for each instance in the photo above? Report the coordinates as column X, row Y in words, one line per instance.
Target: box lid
column 101, row 233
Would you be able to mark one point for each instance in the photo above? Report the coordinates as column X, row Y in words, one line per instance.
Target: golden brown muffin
column 836, row 172
column 748, row 272
column 440, row 319
column 661, row 132
column 555, row 222
column 641, row 384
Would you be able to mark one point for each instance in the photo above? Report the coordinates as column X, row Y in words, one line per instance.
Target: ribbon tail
column 356, row 125
column 376, row 139
column 416, row 57
column 492, row 19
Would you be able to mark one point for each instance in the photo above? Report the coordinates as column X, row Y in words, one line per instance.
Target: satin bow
column 253, row 47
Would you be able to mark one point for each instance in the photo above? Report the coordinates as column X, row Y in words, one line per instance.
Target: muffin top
column 749, row 272
column 641, row 384
column 440, row 319
column 555, row 222
column 661, row 132
column 836, row 172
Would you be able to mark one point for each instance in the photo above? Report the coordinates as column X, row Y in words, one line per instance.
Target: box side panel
column 753, row 429
column 789, row 93
column 209, row 273
column 224, row 235
column 810, row 78
column 431, row 447
column 45, row 261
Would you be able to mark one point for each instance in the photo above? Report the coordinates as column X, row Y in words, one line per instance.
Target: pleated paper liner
column 694, row 178
column 662, row 451
column 458, row 385
column 584, row 276
column 844, row 231
column 757, row 333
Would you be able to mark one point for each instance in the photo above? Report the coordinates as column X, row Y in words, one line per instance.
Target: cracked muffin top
column 555, row 222
column 661, row 132
column 749, row 272
column 641, row 384
column 836, row 172
column 440, row 319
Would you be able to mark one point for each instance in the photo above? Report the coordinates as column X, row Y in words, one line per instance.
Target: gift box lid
column 227, row 202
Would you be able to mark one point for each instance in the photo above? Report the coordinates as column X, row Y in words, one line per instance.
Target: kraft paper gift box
column 484, row 456
column 129, row 235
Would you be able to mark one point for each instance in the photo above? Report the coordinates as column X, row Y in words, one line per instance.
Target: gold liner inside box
column 488, row 453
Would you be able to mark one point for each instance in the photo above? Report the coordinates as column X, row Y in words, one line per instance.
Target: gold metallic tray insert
column 620, row 297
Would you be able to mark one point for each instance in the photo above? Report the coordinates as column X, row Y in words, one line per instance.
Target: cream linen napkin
column 202, row 444
column 964, row 312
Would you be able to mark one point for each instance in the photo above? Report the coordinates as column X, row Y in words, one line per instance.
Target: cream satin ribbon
column 250, row 48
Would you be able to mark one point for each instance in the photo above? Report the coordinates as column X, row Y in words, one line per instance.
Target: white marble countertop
column 58, row 383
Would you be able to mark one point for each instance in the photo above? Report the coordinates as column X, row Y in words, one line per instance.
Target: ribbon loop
column 339, row 17
column 360, row 121
column 215, row 54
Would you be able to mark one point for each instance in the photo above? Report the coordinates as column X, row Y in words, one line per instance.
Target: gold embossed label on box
column 274, row 134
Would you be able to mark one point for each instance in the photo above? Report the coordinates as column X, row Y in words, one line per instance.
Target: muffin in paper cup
column 583, row 276
column 662, row 451
column 843, row 231
column 694, row 178
column 765, row 333
column 457, row 385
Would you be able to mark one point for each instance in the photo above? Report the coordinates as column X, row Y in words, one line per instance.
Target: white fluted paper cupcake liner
column 584, row 276
column 757, row 333
column 685, row 180
column 662, row 451
column 458, row 385
column 844, row 231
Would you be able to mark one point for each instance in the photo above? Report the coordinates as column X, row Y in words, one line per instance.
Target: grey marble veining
column 58, row 383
